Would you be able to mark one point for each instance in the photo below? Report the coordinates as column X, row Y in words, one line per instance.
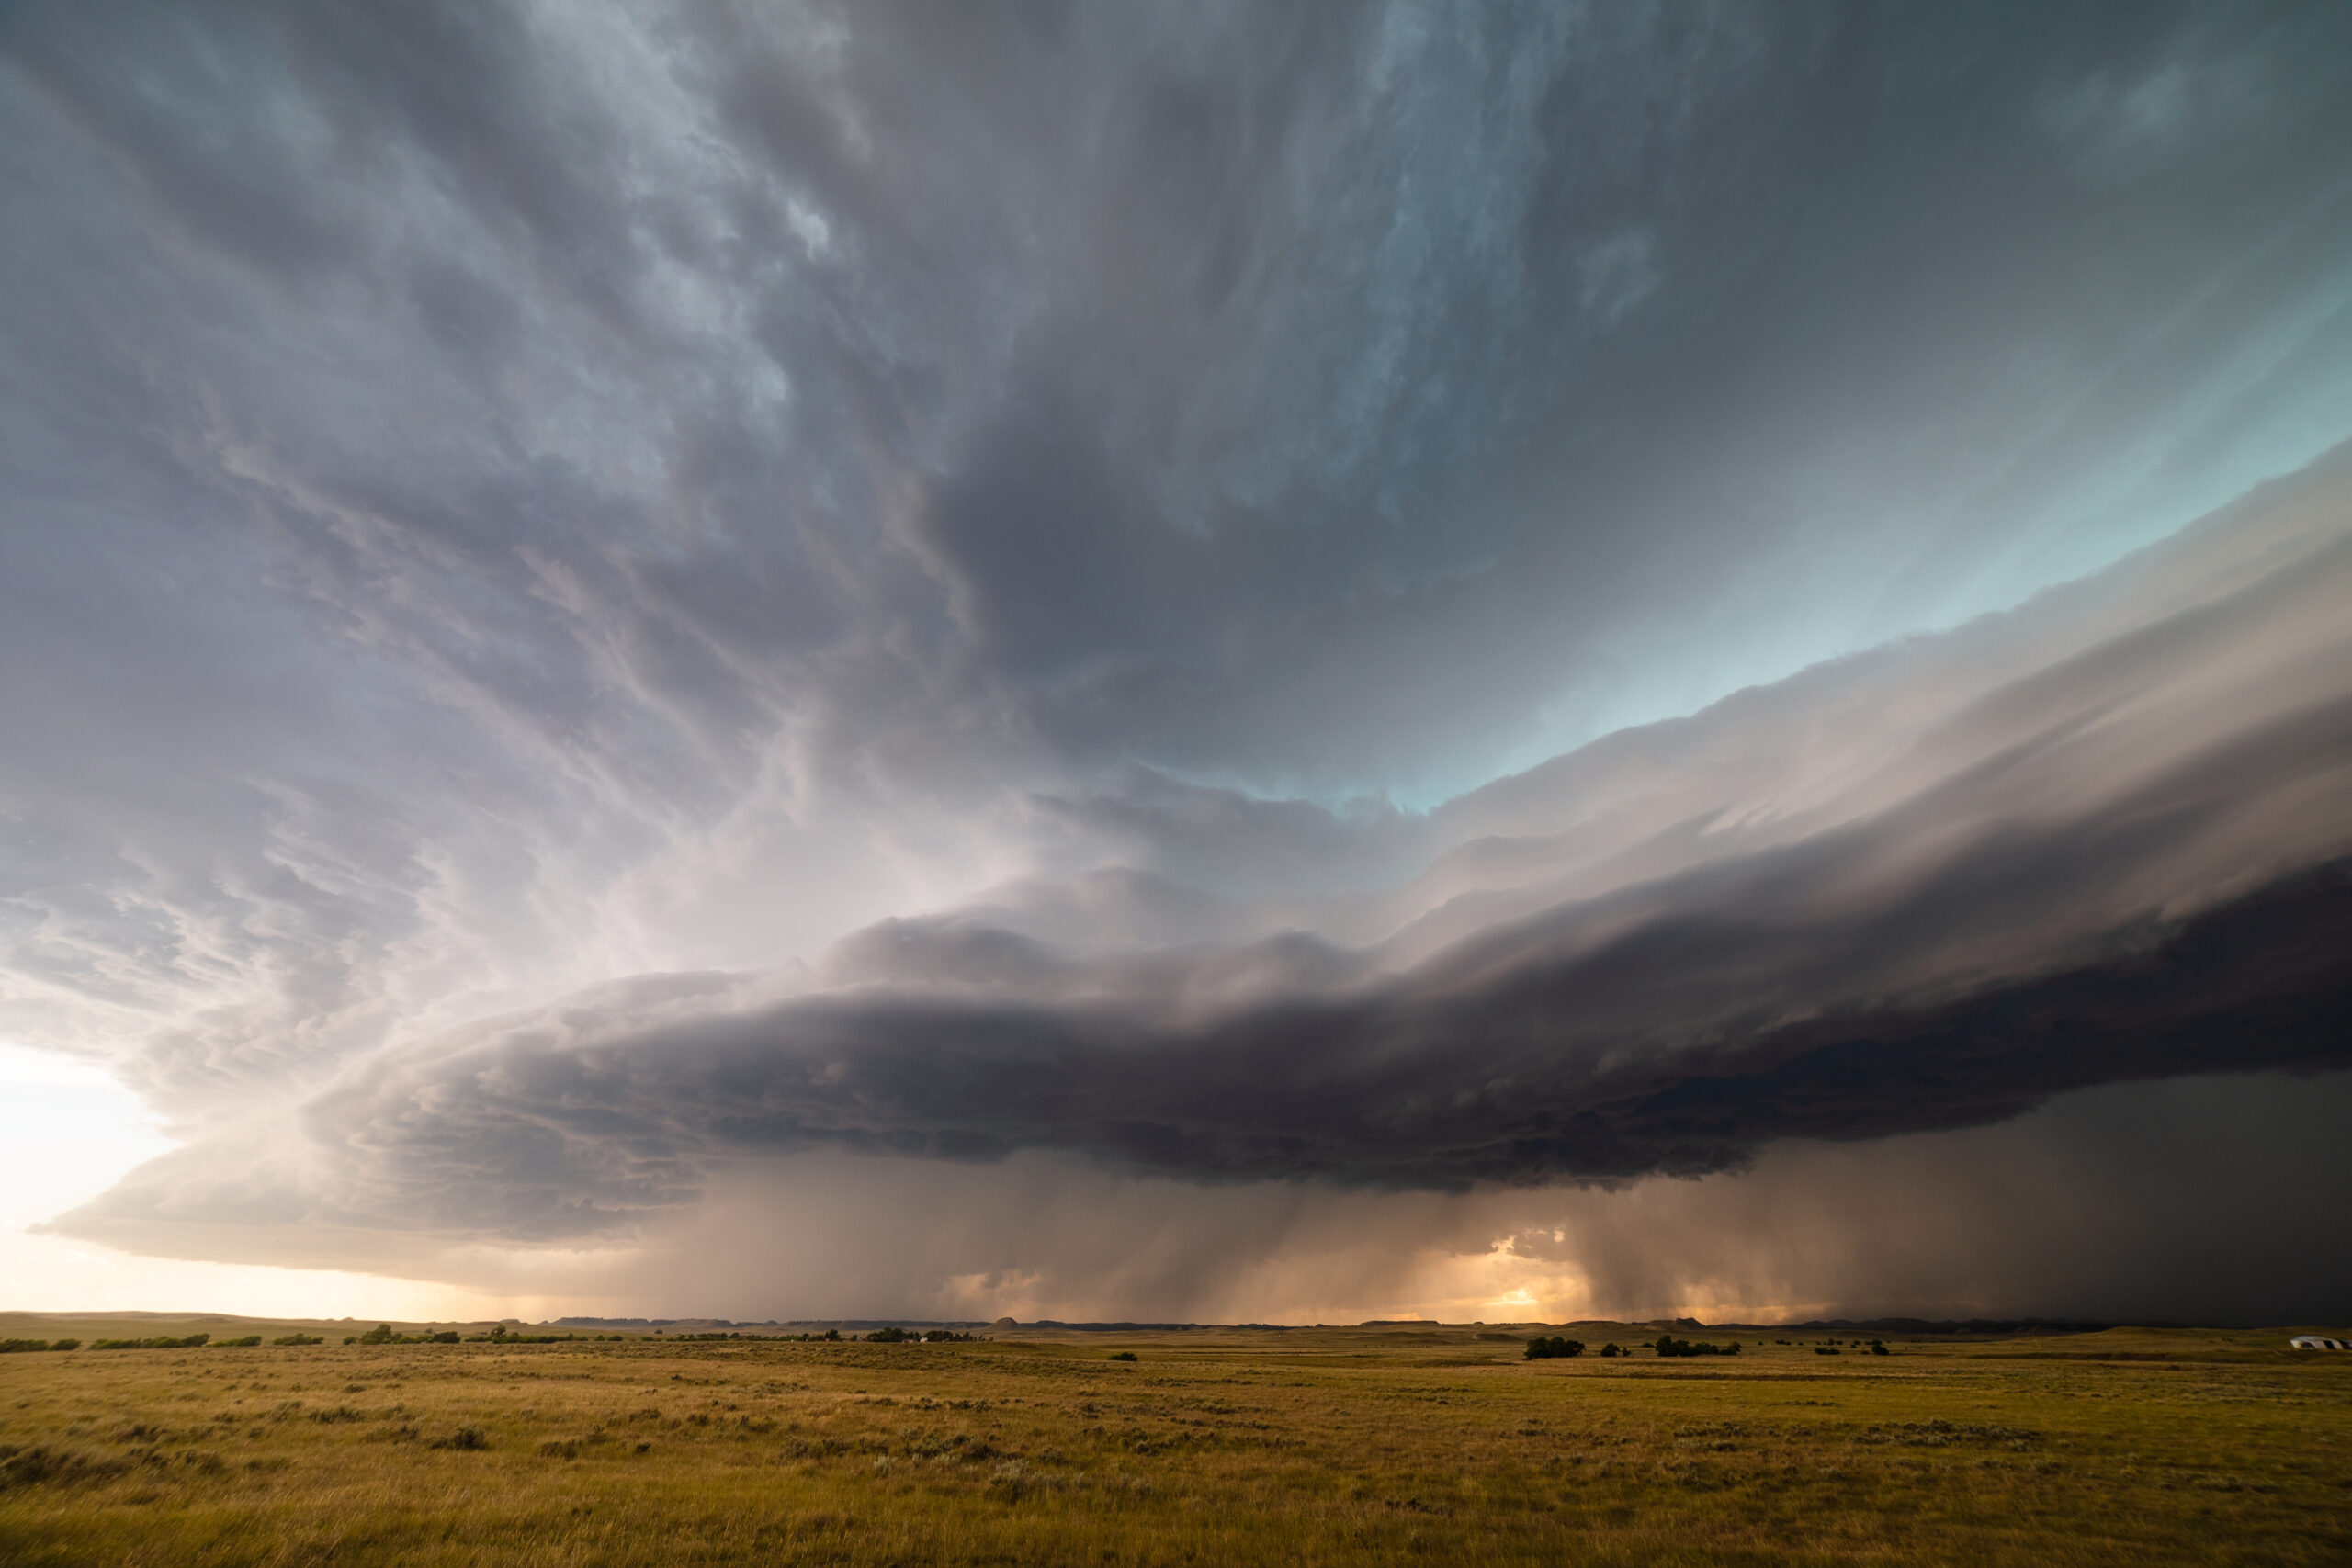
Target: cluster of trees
column 9, row 1347
column 1543, row 1348
column 1668, row 1345
column 161, row 1342
column 384, row 1334
column 903, row 1337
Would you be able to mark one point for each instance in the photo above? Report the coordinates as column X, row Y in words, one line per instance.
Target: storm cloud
column 1416, row 603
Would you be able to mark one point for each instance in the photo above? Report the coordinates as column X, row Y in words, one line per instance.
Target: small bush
column 1612, row 1349
column 559, row 1448
column 1542, row 1349
column 1123, row 1356
column 247, row 1343
column 298, row 1339
column 467, row 1438
column 1827, row 1350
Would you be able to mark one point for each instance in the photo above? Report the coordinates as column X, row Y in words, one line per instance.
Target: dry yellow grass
column 1215, row 1447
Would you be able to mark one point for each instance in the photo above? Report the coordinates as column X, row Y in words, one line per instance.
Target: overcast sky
column 1142, row 660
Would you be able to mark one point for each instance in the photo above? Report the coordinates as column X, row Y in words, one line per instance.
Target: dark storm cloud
column 2127, row 862
column 498, row 498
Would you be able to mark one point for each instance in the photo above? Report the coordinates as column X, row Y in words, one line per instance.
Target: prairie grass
column 1311, row 1447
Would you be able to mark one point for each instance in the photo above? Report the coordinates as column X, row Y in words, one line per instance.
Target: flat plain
column 1214, row 1446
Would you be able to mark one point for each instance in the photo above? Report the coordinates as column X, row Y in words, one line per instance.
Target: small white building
column 2318, row 1342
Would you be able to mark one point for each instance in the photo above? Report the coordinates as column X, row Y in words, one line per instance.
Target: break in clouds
column 1226, row 661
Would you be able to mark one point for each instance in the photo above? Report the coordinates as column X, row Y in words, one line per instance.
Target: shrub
column 1878, row 1347
column 1612, row 1349
column 468, row 1438
column 10, row 1347
column 28, row 1467
column 1123, row 1356
column 298, row 1339
column 1827, row 1350
column 249, row 1341
column 1542, row 1349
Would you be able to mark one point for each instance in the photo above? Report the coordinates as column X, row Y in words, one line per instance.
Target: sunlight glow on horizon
column 68, row 1132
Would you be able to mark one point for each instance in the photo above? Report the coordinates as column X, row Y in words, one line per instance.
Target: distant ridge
column 1949, row 1326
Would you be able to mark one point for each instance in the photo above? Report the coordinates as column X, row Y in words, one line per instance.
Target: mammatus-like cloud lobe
column 1411, row 620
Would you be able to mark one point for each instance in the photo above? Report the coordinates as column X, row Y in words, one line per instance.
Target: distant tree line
column 892, row 1336
column 162, row 1342
column 157, row 1342
column 498, row 1334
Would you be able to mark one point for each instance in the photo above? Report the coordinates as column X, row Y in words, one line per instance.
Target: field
column 1307, row 1446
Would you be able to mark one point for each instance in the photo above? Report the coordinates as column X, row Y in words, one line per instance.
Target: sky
column 1226, row 663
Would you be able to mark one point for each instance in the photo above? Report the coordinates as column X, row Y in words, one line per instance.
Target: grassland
column 1372, row 1445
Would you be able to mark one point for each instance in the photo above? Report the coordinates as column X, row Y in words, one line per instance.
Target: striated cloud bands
column 2127, row 863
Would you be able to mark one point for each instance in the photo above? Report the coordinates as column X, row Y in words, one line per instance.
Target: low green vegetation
column 1384, row 1444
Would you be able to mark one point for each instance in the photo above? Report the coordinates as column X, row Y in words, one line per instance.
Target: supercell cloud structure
column 1144, row 659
